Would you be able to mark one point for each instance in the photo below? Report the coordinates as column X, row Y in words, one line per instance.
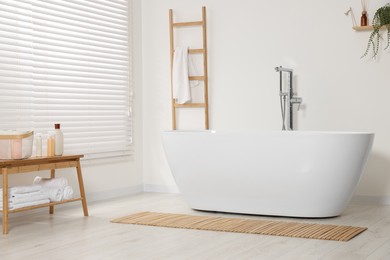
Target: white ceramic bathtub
column 283, row 173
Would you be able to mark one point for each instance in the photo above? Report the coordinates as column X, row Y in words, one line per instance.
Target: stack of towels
column 24, row 196
column 42, row 191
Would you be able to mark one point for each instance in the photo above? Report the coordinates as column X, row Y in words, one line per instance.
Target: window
column 68, row 62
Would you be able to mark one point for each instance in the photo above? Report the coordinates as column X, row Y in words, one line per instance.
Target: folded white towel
column 27, row 204
column 32, row 203
column 59, row 183
column 10, row 206
column 22, row 189
column 15, row 200
column 68, row 193
column 23, row 195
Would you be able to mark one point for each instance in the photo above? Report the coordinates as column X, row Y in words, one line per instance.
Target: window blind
column 68, row 62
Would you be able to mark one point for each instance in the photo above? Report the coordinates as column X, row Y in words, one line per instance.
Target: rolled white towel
column 54, row 194
column 59, row 183
column 68, row 193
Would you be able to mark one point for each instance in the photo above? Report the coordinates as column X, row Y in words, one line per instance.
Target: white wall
column 246, row 40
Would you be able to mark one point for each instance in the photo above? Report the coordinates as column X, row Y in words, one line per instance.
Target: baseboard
column 378, row 200
column 111, row 194
column 160, row 188
column 117, row 193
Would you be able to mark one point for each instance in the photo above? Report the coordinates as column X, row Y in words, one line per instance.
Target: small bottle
column 38, row 145
column 363, row 19
column 50, row 145
column 59, row 140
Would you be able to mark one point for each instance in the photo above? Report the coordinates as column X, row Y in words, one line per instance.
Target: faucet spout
column 280, row 68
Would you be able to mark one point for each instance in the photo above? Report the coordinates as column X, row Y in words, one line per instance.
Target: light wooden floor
column 69, row 235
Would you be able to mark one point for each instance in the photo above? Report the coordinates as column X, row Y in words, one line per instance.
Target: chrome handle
column 296, row 100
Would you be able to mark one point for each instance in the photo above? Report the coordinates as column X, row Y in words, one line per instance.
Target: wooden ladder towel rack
column 203, row 78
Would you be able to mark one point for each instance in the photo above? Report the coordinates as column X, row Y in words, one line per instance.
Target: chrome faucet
column 287, row 97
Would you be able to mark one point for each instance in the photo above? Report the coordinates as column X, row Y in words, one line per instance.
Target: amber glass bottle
column 363, row 19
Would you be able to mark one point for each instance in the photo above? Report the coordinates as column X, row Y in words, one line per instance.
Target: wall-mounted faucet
column 287, row 96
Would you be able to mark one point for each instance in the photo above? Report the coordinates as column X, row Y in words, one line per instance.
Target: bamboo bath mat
column 250, row 226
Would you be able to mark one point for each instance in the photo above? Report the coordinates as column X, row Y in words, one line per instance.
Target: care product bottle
column 59, row 140
column 363, row 19
column 38, row 145
column 50, row 145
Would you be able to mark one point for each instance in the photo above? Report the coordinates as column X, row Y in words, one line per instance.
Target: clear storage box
column 15, row 144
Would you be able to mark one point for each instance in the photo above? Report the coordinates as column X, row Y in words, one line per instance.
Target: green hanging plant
column 381, row 18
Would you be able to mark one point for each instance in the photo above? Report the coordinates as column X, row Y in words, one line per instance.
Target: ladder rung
column 196, row 77
column 195, row 51
column 191, row 105
column 188, row 24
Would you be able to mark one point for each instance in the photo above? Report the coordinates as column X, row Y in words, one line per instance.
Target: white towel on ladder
column 182, row 64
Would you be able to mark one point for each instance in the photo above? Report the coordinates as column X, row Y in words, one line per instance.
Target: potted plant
column 381, row 18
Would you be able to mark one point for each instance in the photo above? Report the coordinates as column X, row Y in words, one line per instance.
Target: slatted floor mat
column 251, row 226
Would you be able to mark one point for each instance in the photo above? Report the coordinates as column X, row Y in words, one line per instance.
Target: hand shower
column 282, row 96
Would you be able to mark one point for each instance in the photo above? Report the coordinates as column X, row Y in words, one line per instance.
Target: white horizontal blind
column 68, row 62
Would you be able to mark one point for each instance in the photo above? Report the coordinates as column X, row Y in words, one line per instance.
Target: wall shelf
column 366, row 28
column 363, row 28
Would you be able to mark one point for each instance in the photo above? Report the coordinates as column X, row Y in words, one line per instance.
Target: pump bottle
column 58, row 140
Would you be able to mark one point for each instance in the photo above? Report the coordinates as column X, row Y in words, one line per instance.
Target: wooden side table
column 40, row 164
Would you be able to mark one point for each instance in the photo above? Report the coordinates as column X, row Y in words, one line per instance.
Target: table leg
column 82, row 191
column 52, row 176
column 4, row 172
